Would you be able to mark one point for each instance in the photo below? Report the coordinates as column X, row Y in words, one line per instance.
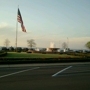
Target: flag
column 19, row 19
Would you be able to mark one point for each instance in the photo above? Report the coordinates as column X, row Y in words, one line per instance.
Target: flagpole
column 17, row 29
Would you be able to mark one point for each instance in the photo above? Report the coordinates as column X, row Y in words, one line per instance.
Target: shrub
column 41, row 60
column 2, row 53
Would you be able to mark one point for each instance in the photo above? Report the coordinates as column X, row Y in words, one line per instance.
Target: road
column 66, row 76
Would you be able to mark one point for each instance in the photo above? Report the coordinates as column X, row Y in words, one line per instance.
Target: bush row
column 2, row 53
column 79, row 54
column 41, row 60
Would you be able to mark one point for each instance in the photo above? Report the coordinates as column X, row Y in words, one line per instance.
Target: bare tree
column 31, row 43
column 6, row 43
column 64, row 46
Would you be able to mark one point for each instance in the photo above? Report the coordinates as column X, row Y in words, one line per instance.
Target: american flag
column 19, row 18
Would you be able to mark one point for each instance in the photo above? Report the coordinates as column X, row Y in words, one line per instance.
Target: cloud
column 79, row 39
column 42, row 39
column 74, row 43
column 3, row 25
column 6, row 32
column 78, row 42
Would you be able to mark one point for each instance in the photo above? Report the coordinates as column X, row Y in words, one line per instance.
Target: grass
column 36, row 55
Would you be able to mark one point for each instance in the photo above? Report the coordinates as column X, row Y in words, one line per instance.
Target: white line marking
column 18, row 72
column 61, row 71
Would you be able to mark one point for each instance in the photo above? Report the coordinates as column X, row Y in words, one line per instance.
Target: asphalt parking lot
column 45, row 77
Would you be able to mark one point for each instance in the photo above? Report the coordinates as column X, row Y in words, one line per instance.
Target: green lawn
column 35, row 55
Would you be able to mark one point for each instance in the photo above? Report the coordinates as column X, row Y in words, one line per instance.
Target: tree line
column 31, row 43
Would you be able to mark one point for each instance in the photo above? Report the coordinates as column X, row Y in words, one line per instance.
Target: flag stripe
column 19, row 19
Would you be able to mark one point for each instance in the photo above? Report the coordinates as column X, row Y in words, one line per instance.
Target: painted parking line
column 19, row 72
column 61, row 71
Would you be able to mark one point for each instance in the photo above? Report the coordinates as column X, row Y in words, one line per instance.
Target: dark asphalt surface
column 75, row 78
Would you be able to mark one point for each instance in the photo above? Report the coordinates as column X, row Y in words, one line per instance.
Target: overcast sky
column 46, row 21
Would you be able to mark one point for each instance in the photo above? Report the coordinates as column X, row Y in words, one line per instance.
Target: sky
column 46, row 21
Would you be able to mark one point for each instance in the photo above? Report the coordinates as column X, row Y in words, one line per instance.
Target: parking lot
column 45, row 77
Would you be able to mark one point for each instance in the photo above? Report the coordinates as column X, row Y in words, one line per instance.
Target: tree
column 6, row 43
column 31, row 43
column 64, row 45
column 11, row 48
column 25, row 49
column 88, row 45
